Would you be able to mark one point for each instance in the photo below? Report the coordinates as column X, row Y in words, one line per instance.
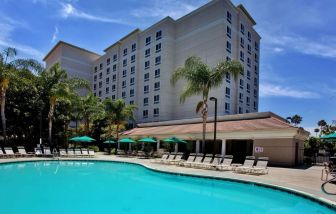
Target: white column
column 197, row 146
column 118, row 145
column 176, row 147
column 130, row 147
column 142, row 146
column 223, row 147
column 158, row 145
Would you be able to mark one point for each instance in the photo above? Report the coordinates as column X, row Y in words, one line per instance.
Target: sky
column 298, row 46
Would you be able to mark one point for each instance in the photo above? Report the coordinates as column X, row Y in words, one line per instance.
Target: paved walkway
column 302, row 180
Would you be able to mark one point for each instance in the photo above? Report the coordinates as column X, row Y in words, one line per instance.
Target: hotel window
column 248, row 88
column 114, row 68
column 228, row 31
column 123, row 94
column 107, row 80
column 158, row 48
column 242, row 28
column 158, row 35
column 100, row 66
column 100, row 75
column 113, row 87
column 255, row 93
column 156, row 86
column 227, row 92
column 256, row 69
column 132, row 81
column 94, row 87
column 95, row 69
column 107, row 71
column 156, row 99
column 125, row 62
column 227, row 107
column 256, row 46
column 107, row 90
column 113, row 97
column 95, row 94
column 146, row 77
column 241, row 84
column 248, row 62
column 145, row 113
column 108, row 61
column 132, row 92
column 248, row 74
column 247, row 111
column 147, row 52
column 156, row 112
column 115, row 57
column 256, row 58
column 241, row 56
column 242, row 42
column 99, row 93
column 114, row 77
column 148, row 40
column 147, row 64
column 124, row 83
column 95, row 78
column 124, row 73
column 228, row 59
column 241, row 98
column 255, row 81
column 228, row 46
column 133, row 47
column 228, row 16
column 132, row 58
column 157, row 73
column 158, row 60
column 131, row 102
column 249, row 48
column 247, row 101
column 146, row 89
column 132, row 69
column 228, row 77
column 125, row 51
column 255, row 105
column 249, row 35
column 240, row 110
column 145, row 101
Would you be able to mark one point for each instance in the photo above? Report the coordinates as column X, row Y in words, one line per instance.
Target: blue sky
column 298, row 47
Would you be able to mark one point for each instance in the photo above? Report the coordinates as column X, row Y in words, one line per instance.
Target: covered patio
column 258, row 134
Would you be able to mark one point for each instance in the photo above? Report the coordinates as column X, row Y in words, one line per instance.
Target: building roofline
column 137, row 30
column 71, row 45
column 197, row 10
column 167, row 18
column 243, row 9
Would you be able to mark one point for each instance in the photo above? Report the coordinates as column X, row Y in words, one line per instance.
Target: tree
column 200, row 79
column 58, row 86
column 8, row 64
column 117, row 114
column 295, row 120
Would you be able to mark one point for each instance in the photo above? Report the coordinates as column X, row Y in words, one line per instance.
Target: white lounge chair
column 85, row 152
column 91, row 153
column 247, row 166
column 162, row 159
column 178, row 158
column 9, row 152
column 226, row 164
column 189, row 161
column 198, row 160
column 22, row 151
column 63, row 153
column 78, row 152
column 206, row 161
column 2, row 154
column 38, row 152
column 261, row 167
column 70, row 153
column 47, row 152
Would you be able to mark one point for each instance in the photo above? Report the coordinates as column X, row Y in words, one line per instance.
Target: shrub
column 94, row 148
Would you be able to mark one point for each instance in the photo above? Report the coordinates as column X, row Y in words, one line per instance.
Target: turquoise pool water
column 102, row 187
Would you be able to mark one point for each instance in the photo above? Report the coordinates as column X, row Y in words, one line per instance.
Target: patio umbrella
column 126, row 140
column 147, row 140
column 85, row 139
column 329, row 137
column 174, row 140
column 76, row 139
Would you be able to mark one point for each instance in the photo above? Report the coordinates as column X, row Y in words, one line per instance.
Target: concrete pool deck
column 306, row 181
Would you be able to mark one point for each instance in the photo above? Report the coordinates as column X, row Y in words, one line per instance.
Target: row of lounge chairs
column 217, row 162
column 139, row 153
column 77, row 152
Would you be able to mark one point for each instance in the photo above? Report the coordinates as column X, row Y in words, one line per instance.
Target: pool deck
column 307, row 181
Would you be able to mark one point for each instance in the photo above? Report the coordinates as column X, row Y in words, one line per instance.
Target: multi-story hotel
column 138, row 67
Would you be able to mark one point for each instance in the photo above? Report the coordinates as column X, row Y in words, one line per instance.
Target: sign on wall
column 258, row 149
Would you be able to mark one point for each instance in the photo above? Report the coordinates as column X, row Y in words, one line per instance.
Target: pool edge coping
column 317, row 199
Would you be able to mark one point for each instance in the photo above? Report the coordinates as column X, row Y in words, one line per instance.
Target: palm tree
column 8, row 64
column 92, row 109
column 58, row 86
column 117, row 114
column 200, row 79
column 295, row 120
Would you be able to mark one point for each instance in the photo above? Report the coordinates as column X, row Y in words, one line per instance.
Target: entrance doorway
column 239, row 149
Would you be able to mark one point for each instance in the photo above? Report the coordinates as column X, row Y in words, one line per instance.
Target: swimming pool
column 105, row 187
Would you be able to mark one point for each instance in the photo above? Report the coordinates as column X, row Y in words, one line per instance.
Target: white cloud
column 69, row 11
column 273, row 90
column 55, row 35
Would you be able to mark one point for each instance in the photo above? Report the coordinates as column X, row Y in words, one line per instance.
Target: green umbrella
column 76, row 139
column 109, row 142
column 147, row 140
column 126, row 140
column 85, row 139
column 174, row 140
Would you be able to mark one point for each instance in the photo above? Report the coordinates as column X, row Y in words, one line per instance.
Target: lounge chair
column 217, row 160
column 178, row 158
column 78, row 152
column 91, row 153
column 121, row 152
column 22, row 151
column 9, row 152
column 47, row 152
column 247, row 166
column 85, row 153
column 38, row 152
column 71, row 153
column 189, row 161
column 2, row 154
column 171, row 157
column 63, row 153
column 226, row 164
column 261, row 167
column 162, row 159
column 206, row 161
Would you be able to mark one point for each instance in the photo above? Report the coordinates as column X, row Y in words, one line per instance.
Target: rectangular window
column 255, row 69
column 124, row 73
column 255, row 105
column 157, row 73
column 256, row 58
column 248, row 62
column 228, row 16
column 228, row 31
column 107, row 80
column 113, row 87
column 241, row 98
column 241, row 56
column 228, row 77
column 132, row 69
column 158, row 48
column 133, row 47
column 146, row 77
column 148, row 40
column 125, row 51
column 146, row 89
column 115, row 57
column 95, row 69
column 242, row 28
column 147, row 64
column 242, row 42
column 132, row 81
column 227, row 92
column 125, row 62
column 255, row 92
column 124, row 83
column 107, row 90
column 99, row 93
column 249, row 35
column 156, row 112
column 227, row 107
column 107, row 71
column 247, row 101
column 132, row 58
column 100, row 66
column 248, row 74
column 158, row 35
column 145, row 113
column 256, row 46
column 228, row 46
column 108, row 61
column 158, row 60
column 132, row 92
column 248, row 88
column 114, row 77
column 240, row 111
column 113, row 97
column 241, row 84
column 95, row 78
column 147, row 52
column 114, row 68
column 247, row 111
column 94, row 87
column 100, row 75
column 156, row 99
column 156, row 86
column 228, row 59
column 249, row 48
column 145, row 101
column 255, row 82
column 131, row 102
column 123, row 94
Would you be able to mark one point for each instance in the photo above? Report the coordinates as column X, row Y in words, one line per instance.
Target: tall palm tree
column 58, row 86
column 200, row 79
column 92, row 109
column 117, row 114
column 8, row 64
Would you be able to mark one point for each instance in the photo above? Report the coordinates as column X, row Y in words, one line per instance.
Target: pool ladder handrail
column 329, row 181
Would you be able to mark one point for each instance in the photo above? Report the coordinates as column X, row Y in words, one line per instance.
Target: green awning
column 126, row 140
column 329, row 136
column 174, row 140
column 147, row 140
